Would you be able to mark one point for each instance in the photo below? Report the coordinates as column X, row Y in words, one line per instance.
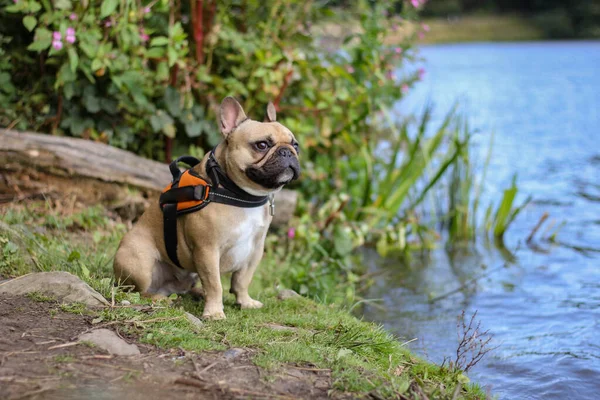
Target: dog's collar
column 219, row 179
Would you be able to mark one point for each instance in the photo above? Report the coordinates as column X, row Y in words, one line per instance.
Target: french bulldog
column 260, row 158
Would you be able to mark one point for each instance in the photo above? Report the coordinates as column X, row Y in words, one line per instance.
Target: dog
column 260, row 158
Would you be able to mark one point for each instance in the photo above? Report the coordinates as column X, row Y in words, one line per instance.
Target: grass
column 363, row 358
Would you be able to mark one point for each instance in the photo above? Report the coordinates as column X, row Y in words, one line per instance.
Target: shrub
column 137, row 74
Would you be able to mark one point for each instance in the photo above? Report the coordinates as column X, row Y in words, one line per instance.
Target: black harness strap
column 221, row 190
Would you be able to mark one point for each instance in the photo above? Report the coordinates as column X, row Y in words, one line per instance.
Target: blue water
column 540, row 302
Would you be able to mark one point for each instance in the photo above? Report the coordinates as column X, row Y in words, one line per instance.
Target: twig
column 99, row 357
column 537, row 227
column 207, row 368
column 60, row 346
column 191, row 382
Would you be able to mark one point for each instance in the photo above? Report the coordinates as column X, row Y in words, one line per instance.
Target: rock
column 287, row 294
column 59, row 285
column 109, row 341
column 285, row 206
column 233, row 354
column 194, row 320
column 125, row 303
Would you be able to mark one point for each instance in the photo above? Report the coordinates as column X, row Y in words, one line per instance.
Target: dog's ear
column 231, row 114
column 271, row 115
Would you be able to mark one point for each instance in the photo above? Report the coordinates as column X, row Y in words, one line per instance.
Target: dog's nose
column 284, row 152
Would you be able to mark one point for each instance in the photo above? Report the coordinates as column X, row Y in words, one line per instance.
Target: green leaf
column 171, row 56
column 193, row 129
column 108, row 7
column 159, row 41
column 96, row 64
column 342, row 241
column 155, row 52
column 169, row 130
column 73, row 59
column 63, row 4
column 69, row 90
column 89, row 49
column 15, row 8
column 34, row 7
column 73, row 256
column 173, row 101
column 90, row 101
column 29, row 22
column 41, row 41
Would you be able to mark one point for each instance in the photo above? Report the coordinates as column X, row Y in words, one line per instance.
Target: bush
column 134, row 74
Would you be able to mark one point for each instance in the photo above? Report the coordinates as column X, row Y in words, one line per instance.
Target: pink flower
column 146, row 10
column 415, row 3
column 398, row 50
column 56, row 35
column 350, row 69
column 291, row 233
column 425, row 27
column 421, row 35
column 57, row 44
column 108, row 24
column 404, row 88
column 73, row 16
column 15, row 1
column 390, row 75
column 420, row 73
column 70, row 35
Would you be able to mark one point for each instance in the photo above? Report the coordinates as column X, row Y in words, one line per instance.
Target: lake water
column 542, row 100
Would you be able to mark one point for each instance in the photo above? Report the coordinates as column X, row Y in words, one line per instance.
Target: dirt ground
column 40, row 359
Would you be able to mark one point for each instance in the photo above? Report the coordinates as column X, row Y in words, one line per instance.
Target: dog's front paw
column 213, row 315
column 250, row 303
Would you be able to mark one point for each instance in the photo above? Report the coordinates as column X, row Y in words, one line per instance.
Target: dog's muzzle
column 282, row 168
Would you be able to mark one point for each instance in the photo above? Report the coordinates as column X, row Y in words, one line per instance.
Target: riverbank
column 479, row 28
column 470, row 28
column 350, row 358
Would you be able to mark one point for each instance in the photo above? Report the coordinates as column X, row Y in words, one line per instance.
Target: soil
column 41, row 359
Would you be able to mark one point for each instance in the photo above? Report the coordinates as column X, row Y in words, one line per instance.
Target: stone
column 109, row 341
column 125, row 303
column 287, row 294
column 194, row 320
column 232, row 354
column 59, row 285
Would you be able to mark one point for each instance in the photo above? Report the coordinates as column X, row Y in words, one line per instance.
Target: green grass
column 362, row 356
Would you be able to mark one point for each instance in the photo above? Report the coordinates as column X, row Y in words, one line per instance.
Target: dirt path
column 40, row 359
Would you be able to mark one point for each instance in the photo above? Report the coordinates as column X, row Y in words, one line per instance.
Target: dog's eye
column 262, row 145
column 295, row 144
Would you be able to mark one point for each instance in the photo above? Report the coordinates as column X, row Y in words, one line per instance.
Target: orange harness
column 189, row 192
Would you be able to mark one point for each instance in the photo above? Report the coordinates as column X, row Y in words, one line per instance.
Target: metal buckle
column 201, row 192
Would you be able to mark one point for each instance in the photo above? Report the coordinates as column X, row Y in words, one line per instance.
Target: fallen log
column 34, row 164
